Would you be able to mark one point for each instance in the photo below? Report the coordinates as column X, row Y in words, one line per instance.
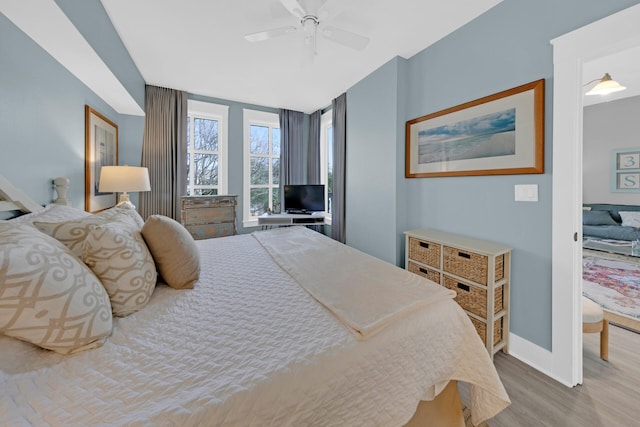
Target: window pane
column 188, row 166
column 205, row 191
column 275, row 200
column 205, row 134
column 275, row 135
column 259, row 170
column 259, row 201
column 205, row 169
column 259, row 140
column 188, row 134
column 275, row 168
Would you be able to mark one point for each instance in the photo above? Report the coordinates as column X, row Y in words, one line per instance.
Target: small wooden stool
column 593, row 321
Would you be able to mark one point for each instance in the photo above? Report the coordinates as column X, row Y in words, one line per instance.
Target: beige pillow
column 73, row 233
column 47, row 296
column 174, row 251
column 119, row 257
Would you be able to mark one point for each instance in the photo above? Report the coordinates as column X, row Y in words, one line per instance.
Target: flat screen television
column 303, row 199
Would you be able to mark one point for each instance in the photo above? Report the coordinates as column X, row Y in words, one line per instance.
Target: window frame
column 220, row 113
column 256, row 118
column 326, row 122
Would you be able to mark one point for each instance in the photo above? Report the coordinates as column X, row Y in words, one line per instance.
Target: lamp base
column 125, row 202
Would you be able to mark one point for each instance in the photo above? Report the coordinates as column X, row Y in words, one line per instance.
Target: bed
column 251, row 345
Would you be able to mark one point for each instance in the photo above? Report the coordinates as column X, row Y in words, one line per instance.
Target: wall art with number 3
column 625, row 171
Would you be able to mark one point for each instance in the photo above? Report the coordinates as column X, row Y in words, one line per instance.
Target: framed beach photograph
column 500, row 134
column 101, row 149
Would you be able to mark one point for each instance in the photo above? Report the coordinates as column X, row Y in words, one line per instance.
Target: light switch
column 526, row 193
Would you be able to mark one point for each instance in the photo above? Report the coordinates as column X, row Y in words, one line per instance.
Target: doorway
column 613, row 34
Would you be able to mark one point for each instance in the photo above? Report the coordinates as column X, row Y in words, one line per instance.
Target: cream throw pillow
column 174, row 251
column 630, row 218
column 119, row 257
column 47, row 296
column 73, row 233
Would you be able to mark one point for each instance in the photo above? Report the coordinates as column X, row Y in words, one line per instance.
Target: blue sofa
column 604, row 221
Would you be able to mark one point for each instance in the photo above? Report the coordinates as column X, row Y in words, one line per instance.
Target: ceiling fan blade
column 269, row 34
column 294, row 7
column 344, row 37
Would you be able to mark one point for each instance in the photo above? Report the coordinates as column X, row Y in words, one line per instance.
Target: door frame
column 609, row 35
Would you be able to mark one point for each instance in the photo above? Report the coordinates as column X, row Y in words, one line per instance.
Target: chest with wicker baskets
column 477, row 270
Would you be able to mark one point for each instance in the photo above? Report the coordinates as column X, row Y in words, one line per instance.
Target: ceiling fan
column 312, row 15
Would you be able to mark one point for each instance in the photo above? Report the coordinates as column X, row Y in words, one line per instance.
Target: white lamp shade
column 606, row 86
column 115, row 179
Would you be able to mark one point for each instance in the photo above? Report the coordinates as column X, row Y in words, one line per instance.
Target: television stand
column 313, row 218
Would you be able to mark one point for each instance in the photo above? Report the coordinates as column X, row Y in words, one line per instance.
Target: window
column 206, row 148
column 326, row 161
column 261, row 165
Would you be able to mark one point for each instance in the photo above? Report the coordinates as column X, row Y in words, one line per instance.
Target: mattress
column 248, row 346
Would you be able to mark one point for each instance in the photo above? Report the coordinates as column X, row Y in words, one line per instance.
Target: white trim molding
column 609, row 35
column 220, row 113
column 258, row 118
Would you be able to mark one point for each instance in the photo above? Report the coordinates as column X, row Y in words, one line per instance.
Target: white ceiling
column 199, row 46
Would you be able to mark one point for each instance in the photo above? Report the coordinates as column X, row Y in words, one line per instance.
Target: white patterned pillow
column 630, row 218
column 131, row 212
column 124, row 265
column 73, row 233
column 51, row 213
column 47, row 296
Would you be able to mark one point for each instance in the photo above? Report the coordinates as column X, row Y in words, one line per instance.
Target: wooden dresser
column 479, row 272
column 209, row 216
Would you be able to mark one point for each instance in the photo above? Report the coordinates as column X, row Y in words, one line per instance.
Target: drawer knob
column 463, row 287
column 463, row 255
column 424, row 270
column 424, row 245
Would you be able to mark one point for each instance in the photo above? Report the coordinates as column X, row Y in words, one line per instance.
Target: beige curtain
column 164, row 151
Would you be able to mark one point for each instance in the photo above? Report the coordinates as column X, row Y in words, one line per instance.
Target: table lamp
column 122, row 179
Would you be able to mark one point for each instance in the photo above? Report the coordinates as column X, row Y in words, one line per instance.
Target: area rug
column 615, row 285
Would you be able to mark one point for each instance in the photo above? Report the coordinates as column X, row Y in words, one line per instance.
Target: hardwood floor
column 609, row 395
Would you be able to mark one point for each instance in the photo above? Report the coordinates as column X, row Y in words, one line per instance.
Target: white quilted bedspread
column 247, row 347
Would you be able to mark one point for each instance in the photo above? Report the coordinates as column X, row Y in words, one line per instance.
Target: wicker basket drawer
column 424, row 272
column 473, row 298
column 481, row 328
column 424, row 252
column 470, row 265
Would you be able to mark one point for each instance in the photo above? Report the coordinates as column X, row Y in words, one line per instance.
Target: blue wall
column 507, row 46
column 41, row 118
column 42, row 133
column 372, row 172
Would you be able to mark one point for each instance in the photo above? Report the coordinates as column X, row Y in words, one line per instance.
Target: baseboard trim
column 537, row 357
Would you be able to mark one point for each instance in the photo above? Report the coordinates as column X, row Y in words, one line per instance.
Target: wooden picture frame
column 101, row 149
column 500, row 134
